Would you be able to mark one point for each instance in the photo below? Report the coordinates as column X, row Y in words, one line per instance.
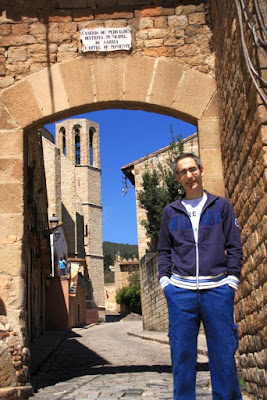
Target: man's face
column 190, row 176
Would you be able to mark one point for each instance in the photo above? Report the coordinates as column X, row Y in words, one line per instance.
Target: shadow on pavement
column 43, row 380
column 72, row 359
column 113, row 318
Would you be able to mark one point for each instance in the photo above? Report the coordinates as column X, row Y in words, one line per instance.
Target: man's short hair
column 185, row 155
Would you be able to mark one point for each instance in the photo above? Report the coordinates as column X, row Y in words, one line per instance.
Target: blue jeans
column 215, row 308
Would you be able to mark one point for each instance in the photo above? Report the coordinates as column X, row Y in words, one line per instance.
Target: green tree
column 130, row 295
column 108, row 260
column 159, row 188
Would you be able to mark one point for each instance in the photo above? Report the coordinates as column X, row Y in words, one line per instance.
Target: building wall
column 243, row 119
column 123, row 269
column 39, row 51
column 110, row 297
column 152, row 162
column 68, row 202
column 53, row 175
column 78, row 307
column 58, row 304
column 159, row 29
column 22, row 311
column 154, row 306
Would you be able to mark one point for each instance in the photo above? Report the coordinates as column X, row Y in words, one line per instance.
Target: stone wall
column 34, row 34
column 172, row 74
column 53, row 176
column 21, row 324
column 243, row 121
column 154, row 306
column 110, row 297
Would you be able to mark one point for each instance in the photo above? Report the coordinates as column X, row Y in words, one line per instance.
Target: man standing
column 62, row 266
column 200, row 258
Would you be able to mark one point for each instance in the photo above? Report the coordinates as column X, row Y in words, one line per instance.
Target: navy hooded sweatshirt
column 214, row 261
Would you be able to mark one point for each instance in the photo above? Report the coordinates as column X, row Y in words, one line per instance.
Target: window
column 63, row 135
column 77, row 145
column 91, row 144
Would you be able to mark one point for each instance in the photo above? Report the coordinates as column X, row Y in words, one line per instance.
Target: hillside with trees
column 110, row 249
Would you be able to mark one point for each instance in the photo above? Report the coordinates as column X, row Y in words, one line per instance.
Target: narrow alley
column 107, row 362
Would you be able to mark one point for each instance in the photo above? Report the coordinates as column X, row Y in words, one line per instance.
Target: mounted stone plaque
column 106, row 39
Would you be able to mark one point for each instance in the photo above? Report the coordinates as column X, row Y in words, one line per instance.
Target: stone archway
column 82, row 85
column 137, row 82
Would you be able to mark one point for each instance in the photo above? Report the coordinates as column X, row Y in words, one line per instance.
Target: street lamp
column 54, row 236
column 53, row 221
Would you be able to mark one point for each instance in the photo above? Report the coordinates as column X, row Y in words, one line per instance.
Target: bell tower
column 79, row 145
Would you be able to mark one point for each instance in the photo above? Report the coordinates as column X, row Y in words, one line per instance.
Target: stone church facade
column 191, row 60
column 72, row 169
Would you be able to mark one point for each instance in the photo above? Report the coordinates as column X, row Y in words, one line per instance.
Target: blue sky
column 126, row 136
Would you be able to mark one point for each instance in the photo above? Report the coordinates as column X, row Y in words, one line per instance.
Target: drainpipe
column 52, row 254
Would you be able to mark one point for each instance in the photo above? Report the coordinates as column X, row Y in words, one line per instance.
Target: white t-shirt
column 194, row 209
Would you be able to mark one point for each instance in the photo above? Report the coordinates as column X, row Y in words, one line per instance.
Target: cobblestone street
column 105, row 362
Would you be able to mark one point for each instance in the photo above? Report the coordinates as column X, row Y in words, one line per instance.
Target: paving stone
column 105, row 363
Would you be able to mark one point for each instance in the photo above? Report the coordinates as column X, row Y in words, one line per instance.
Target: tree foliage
column 130, row 295
column 159, row 188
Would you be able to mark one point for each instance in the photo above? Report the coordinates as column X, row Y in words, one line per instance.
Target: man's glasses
column 192, row 170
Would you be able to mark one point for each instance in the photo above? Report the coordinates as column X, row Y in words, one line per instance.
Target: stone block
column 213, row 173
column 17, row 54
column 167, row 78
column 11, row 143
column 6, row 81
column 185, row 9
column 197, row 19
column 109, row 80
column 7, row 121
column 153, row 12
column 213, row 108
column 209, row 133
column 138, row 75
column 162, row 51
column 145, row 23
column 11, row 170
column 7, row 372
column 56, row 16
column 37, row 28
column 83, row 14
column 5, row 29
column 49, row 90
column 11, row 228
column 120, row 23
column 160, row 22
column 40, row 48
column 20, row 40
column 153, row 43
column 20, row 29
column 187, row 50
column 157, row 33
column 195, row 92
column 178, row 21
column 17, row 98
column 11, row 259
column 78, row 71
column 11, row 200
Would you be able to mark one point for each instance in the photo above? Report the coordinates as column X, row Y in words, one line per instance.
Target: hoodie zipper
column 196, row 247
column 196, row 243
